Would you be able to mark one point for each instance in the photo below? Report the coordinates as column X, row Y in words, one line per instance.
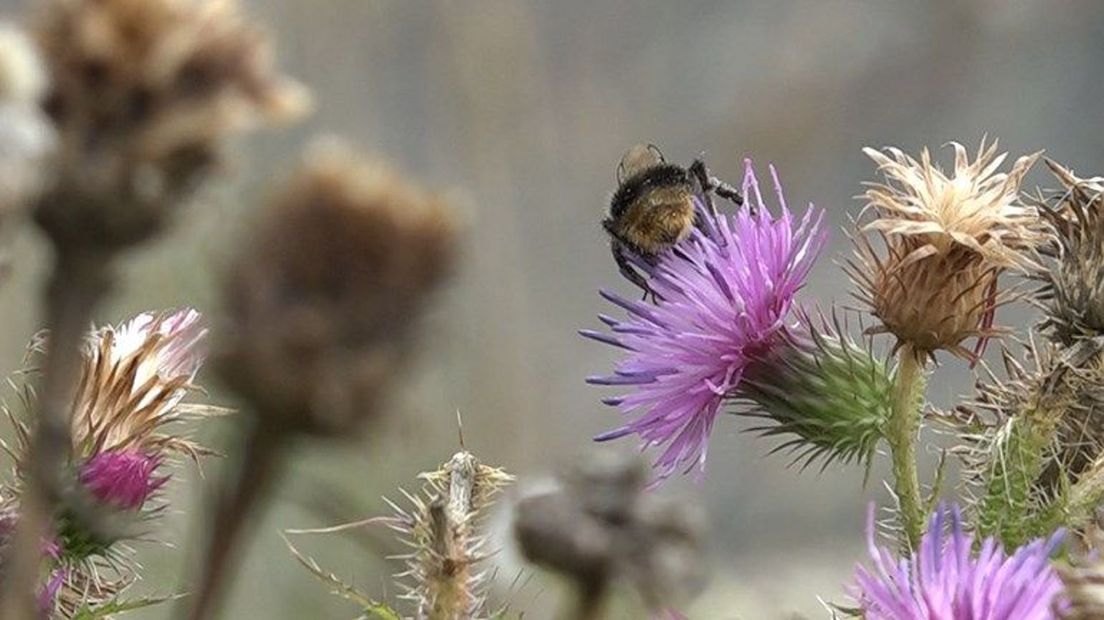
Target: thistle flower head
column 1072, row 291
column 143, row 94
column 947, row 239
column 828, row 394
column 323, row 301
column 946, row 578
column 724, row 298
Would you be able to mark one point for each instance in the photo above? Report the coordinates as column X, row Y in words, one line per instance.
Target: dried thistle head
column 946, row 238
column 1072, row 291
column 602, row 526
column 143, row 94
column 323, row 302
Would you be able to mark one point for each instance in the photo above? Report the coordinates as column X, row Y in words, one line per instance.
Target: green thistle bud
column 826, row 390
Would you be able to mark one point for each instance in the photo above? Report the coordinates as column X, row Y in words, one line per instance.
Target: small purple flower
column 724, row 298
column 123, row 479
column 946, row 580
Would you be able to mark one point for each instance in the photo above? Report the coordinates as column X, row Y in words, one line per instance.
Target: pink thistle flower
column 122, row 478
column 724, row 297
column 946, row 579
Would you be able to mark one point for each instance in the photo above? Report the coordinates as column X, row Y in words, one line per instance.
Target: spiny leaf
column 119, row 606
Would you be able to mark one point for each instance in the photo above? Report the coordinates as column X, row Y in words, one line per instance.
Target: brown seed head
column 143, row 94
column 323, row 301
column 946, row 240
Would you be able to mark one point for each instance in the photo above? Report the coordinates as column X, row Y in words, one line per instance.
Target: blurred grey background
column 525, row 108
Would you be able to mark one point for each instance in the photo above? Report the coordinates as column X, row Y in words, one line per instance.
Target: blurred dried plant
column 321, row 310
column 322, row 302
column 143, row 95
column 27, row 138
column 601, row 526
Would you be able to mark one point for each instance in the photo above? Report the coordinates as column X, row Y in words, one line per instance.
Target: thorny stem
column 901, row 433
column 1015, row 464
column 78, row 282
column 236, row 501
column 1076, row 508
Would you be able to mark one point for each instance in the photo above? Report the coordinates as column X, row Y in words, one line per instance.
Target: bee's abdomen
column 658, row 221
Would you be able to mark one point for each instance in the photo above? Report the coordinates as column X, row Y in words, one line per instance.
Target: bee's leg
column 629, row 271
column 711, row 184
column 726, row 191
column 701, row 175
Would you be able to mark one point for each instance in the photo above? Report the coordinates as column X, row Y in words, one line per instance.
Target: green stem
column 904, row 426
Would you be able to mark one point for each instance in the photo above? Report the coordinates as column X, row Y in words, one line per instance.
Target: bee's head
column 638, row 159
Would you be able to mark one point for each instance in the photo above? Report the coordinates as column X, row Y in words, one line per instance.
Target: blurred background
column 524, row 109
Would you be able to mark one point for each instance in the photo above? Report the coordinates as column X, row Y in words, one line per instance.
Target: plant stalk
column 77, row 284
column 901, row 434
column 238, row 499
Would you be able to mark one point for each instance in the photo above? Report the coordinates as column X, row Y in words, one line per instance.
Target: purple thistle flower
column 724, row 297
column 124, row 479
column 946, row 580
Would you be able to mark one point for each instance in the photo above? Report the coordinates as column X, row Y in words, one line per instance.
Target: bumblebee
column 653, row 208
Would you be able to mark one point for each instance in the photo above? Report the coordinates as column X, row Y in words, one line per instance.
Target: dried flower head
column 947, row 239
column 602, row 526
column 947, row 579
column 143, row 94
column 723, row 301
column 1072, row 291
column 323, row 301
column 828, row 394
